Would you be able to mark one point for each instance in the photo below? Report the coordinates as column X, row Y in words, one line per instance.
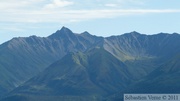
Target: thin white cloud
column 14, row 29
column 30, row 5
column 32, row 11
column 18, row 4
column 59, row 3
column 111, row 5
column 63, row 16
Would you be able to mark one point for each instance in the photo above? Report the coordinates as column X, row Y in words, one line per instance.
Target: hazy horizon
column 98, row 17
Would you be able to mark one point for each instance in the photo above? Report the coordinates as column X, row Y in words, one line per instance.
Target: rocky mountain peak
column 86, row 33
column 63, row 32
column 134, row 33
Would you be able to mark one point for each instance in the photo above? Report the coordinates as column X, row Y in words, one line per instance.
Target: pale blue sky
column 98, row 17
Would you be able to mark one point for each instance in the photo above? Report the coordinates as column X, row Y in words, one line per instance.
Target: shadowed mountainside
column 22, row 58
column 92, row 74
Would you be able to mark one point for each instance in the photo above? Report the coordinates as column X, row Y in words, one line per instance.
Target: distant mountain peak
column 64, row 31
column 86, row 33
column 134, row 34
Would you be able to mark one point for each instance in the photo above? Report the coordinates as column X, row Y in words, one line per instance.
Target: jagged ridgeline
column 81, row 67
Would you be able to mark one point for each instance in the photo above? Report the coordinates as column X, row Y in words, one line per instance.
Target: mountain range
column 83, row 67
